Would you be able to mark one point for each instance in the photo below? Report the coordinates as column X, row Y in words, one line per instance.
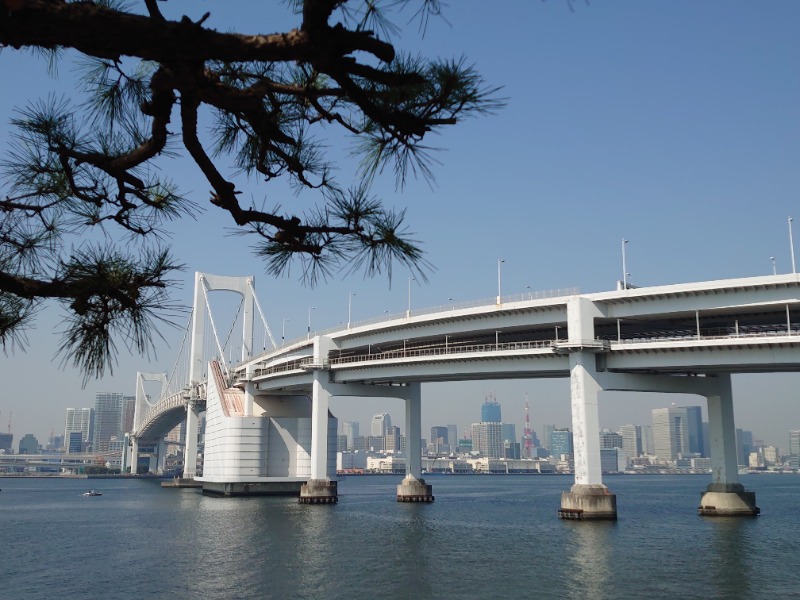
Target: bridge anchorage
column 269, row 430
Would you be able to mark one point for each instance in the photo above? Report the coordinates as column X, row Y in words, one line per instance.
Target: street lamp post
column 774, row 268
column 349, row 306
column 410, row 279
column 791, row 245
column 624, row 268
column 283, row 329
column 308, row 334
column 499, row 261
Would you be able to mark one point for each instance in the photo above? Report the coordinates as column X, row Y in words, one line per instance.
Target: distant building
column 341, row 443
column 490, row 411
column 744, row 445
column 128, row 410
column 509, row 432
column 28, row 444
column 380, row 422
column 511, row 450
column 794, row 448
column 613, row 460
column 107, row 419
column 75, row 443
column 81, row 420
column 547, row 433
column 439, row 440
column 350, row 430
column 670, row 433
column 610, row 439
column 392, row 443
column 487, row 439
column 7, row 442
column 561, row 443
column 631, row 440
column 694, row 423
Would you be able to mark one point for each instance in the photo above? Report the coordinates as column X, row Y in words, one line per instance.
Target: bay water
column 485, row 536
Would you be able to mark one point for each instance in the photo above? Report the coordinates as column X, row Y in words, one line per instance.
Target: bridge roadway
column 685, row 338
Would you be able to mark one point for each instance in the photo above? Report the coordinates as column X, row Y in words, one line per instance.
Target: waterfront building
column 613, row 460
column 487, row 439
column 508, row 432
column 794, row 448
column 28, row 444
column 670, row 433
column 771, row 455
column 360, row 443
column 386, row 464
column 744, row 445
column 380, row 422
column 350, row 429
column 694, row 416
column 75, row 443
column 610, row 439
column 351, row 460
column 547, row 432
column 631, row 440
column 439, row 440
column 107, row 419
column 561, row 443
column 82, row 420
column 511, row 450
column 490, row 411
column 452, row 437
column 7, row 443
column 341, row 443
column 392, row 443
column 376, row 443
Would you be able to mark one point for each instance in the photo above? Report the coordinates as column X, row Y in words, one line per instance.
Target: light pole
column 310, row 308
column 774, row 269
column 410, row 279
column 453, row 301
column 283, row 330
column 624, row 268
column 791, row 245
column 499, row 262
column 349, row 306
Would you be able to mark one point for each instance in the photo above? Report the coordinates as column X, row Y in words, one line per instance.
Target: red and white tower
column 527, row 435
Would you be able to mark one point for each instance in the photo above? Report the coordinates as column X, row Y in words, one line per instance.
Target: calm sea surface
column 483, row 537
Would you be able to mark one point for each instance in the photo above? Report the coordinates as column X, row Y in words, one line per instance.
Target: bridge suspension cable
column 221, row 352
column 263, row 318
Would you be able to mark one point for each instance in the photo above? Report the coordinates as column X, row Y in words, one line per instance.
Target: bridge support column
column 190, row 449
column 588, row 498
column 320, row 489
column 134, row 455
column 724, row 496
column 413, row 488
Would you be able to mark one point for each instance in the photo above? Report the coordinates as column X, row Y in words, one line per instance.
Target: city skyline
column 613, row 130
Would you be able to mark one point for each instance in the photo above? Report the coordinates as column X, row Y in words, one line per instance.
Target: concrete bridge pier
column 320, row 489
column 134, row 455
column 190, row 449
column 724, row 496
column 413, row 488
column 588, row 498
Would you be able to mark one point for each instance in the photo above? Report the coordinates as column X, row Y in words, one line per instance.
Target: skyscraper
column 78, row 419
column 107, row 419
column 490, row 411
column 487, row 438
column 380, row 422
column 631, row 440
column 670, row 432
column 560, row 442
column 695, row 425
column 350, row 429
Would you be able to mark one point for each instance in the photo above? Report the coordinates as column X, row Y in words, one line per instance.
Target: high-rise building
column 648, row 443
column 128, row 410
column 794, row 448
column 439, row 439
column 509, row 432
column 561, row 442
column 380, row 423
column 631, row 440
column 107, row 419
column 610, row 439
column 452, row 437
column 670, row 432
column 487, row 438
column 695, row 424
column 392, row 443
column 744, row 445
column 28, row 444
column 7, row 443
column 547, row 432
column 78, row 419
column 490, row 411
column 350, row 430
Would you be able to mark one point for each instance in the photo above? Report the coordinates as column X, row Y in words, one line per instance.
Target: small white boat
column 92, row 493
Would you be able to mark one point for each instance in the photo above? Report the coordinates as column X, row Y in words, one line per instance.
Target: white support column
column 722, row 433
column 724, row 496
column 413, row 487
column 414, row 431
column 584, row 392
column 162, row 457
column 190, row 449
column 320, row 404
column 134, row 455
column 249, row 391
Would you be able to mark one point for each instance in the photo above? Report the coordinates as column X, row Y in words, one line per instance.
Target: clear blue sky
column 674, row 124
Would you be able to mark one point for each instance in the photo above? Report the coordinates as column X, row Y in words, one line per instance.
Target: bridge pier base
column 319, row 491
column 412, row 489
column 727, row 500
column 586, row 502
